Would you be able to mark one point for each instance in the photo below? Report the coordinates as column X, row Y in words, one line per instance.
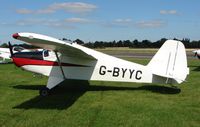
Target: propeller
column 195, row 54
column 10, row 48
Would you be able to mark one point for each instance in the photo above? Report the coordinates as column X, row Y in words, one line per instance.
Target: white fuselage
column 105, row 68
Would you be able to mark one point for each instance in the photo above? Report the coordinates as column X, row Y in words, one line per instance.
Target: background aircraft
column 197, row 53
column 5, row 52
column 64, row 60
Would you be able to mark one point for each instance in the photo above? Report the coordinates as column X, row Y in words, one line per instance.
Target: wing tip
column 15, row 35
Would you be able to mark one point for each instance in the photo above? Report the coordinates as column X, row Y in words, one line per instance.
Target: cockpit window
column 18, row 49
column 46, row 53
column 31, row 55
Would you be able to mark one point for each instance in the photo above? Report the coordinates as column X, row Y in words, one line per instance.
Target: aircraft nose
column 16, row 35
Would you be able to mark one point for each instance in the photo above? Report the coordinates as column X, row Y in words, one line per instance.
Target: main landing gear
column 44, row 92
column 53, row 80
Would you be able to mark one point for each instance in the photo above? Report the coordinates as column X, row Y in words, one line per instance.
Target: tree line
column 139, row 44
column 121, row 43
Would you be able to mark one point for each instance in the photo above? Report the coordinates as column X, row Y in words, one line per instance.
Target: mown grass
column 99, row 104
column 127, row 50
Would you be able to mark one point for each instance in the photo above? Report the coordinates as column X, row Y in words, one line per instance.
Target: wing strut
column 60, row 65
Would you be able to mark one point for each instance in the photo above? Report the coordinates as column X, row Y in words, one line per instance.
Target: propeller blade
column 195, row 54
column 10, row 47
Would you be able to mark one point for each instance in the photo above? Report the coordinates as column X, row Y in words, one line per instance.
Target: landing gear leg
column 53, row 80
column 44, row 92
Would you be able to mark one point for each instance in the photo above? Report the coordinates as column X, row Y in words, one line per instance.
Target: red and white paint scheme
column 66, row 60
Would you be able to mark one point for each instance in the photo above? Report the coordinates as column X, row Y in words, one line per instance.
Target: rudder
column 170, row 62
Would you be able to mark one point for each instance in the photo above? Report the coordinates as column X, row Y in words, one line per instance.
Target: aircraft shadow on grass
column 196, row 68
column 64, row 96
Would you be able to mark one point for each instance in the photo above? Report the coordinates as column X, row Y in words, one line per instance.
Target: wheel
column 44, row 92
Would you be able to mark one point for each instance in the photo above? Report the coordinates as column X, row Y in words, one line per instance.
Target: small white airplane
column 197, row 53
column 62, row 60
column 5, row 52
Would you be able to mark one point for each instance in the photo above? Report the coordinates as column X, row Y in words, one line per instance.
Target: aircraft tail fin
column 169, row 65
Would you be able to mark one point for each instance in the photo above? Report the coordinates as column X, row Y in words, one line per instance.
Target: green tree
column 4, row 45
column 80, row 42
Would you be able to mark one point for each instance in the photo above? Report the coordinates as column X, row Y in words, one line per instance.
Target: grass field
column 97, row 104
column 126, row 51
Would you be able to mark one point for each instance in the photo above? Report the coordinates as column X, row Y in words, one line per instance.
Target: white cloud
column 31, row 22
column 123, row 20
column 24, row 11
column 71, row 7
column 119, row 23
column 4, row 23
column 69, row 23
column 151, row 24
column 26, row 22
column 44, row 11
column 77, row 20
column 127, row 22
column 74, row 7
column 168, row 12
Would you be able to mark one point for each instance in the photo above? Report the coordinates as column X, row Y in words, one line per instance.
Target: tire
column 44, row 92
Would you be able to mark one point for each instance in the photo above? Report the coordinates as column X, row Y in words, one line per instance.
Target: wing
column 50, row 43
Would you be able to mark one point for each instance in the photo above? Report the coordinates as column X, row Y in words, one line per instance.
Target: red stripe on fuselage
column 26, row 61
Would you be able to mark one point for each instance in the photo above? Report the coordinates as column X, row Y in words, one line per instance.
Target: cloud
column 127, row 22
column 69, row 23
column 42, row 22
column 30, row 22
column 150, row 24
column 4, row 23
column 44, row 11
column 119, row 23
column 73, row 7
column 24, row 11
column 123, row 20
column 168, row 12
column 70, row 7
column 77, row 20
column 73, row 22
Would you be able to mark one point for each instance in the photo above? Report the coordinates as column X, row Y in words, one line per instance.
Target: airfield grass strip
column 96, row 104
column 20, row 113
column 97, row 111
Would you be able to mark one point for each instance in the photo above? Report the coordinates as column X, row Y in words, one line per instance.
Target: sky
column 101, row 20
